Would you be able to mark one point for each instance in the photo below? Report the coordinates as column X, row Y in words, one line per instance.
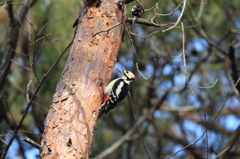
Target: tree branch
column 231, row 142
column 33, row 143
column 127, row 136
column 30, row 101
column 235, row 72
column 146, row 22
column 13, row 30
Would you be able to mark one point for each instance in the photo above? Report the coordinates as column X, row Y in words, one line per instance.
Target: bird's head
column 127, row 75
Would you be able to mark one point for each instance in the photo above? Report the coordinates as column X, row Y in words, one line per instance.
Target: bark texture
column 70, row 122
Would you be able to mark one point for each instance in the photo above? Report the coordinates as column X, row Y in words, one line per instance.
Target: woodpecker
column 116, row 91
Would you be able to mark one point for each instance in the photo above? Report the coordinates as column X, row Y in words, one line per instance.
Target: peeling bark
column 70, row 122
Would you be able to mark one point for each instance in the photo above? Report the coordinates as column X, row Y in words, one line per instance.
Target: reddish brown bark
column 71, row 119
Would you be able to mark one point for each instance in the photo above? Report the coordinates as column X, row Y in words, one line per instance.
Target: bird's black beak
column 120, row 71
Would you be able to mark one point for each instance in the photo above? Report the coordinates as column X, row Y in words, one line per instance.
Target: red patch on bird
column 106, row 96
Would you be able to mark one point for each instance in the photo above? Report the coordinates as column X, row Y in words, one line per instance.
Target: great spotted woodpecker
column 116, row 91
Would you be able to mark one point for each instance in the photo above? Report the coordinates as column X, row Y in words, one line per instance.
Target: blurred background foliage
column 184, row 111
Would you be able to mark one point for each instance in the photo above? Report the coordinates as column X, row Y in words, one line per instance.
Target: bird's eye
column 126, row 71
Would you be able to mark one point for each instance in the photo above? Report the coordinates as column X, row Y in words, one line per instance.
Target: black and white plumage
column 116, row 91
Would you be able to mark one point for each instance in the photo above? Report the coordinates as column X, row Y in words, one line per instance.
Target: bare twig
column 33, row 143
column 181, row 150
column 30, row 101
column 235, row 73
column 134, row 50
column 8, row 108
column 185, row 66
column 141, row 137
column 3, row 141
column 231, row 82
column 214, row 119
column 221, row 152
column 186, row 108
column 108, row 29
column 200, row 10
column 205, row 87
column 146, row 22
column 203, row 34
column 183, row 56
column 179, row 18
column 231, row 142
column 44, row 36
column 145, row 37
column 128, row 134
column 5, row 2
column 28, row 90
column 168, row 14
column 20, row 65
column 121, row 140
column 13, row 31
column 206, row 130
column 155, row 6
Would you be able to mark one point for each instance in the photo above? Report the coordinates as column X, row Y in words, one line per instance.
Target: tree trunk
column 70, row 122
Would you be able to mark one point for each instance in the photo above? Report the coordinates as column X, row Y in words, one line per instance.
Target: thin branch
column 136, row 56
column 179, row 18
column 107, row 29
column 231, row 142
column 33, row 143
column 146, row 22
column 224, row 102
column 185, row 147
column 221, row 153
column 8, row 108
column 13, row 31
column 145, row 37
column 30, row 101
column 128, row 134
column 155, row 6
column 9, row 2
column 141, row 137
column 202, row 3
column 3, row 141
column 214, row 119
column 235, row 73
column 203, row 34
column 21, row 150
column 22, row 54
column 168, row 14
column 186, row 108
column 44, row 36
column 206, row 130
column 231, row 82
column 20, row 25
column 5, row 2
column 121, row 140
column 185, row 66
column 183, row 56
column 20, row 65
column 205, row 87
column 183, row 51
column 28, row 89
column 30, row 132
